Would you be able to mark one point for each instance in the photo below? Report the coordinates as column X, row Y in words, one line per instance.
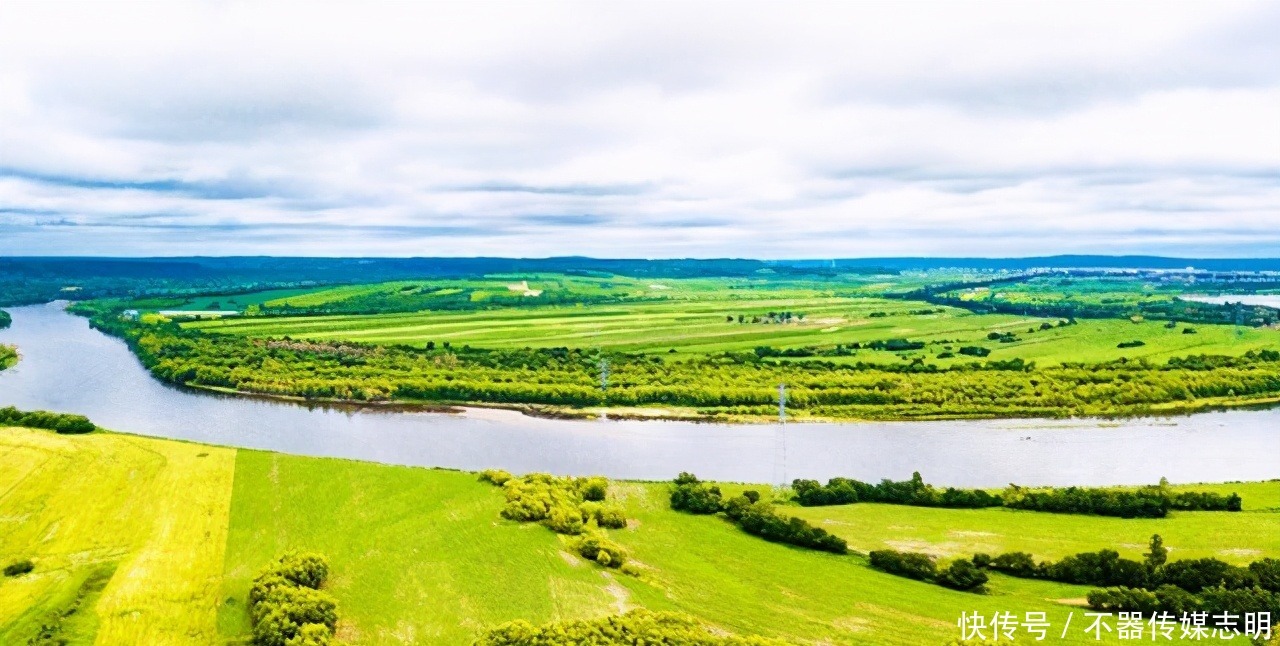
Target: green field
column 698, row 323
column 140, row 540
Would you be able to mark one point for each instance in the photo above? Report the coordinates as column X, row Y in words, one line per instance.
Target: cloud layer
column 640, row 130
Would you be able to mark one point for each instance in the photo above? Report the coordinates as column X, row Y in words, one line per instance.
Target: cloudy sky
column 657, row 129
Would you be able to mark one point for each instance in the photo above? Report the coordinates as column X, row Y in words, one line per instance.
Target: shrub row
column 288, row 608
column 57, row 422
column 843, row 491
column 1144, row 502
column 1106, row 568
column 1216, row 602
column 754, row 516
column 960, row 575
column 638, row 626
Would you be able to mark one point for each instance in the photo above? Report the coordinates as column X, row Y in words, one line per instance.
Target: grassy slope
column 421, row 555
column 698, row 325
column 155, row 512
column 417, row 554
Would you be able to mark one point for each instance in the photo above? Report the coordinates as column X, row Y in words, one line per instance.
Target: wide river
column 68, row 367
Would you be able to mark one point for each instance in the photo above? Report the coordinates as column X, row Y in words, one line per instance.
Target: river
column 68, row 367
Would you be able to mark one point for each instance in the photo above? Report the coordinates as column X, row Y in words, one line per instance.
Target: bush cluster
column 843, row 491
column 754, row 516
column 288, row 608
column 960, row 575
column 57, row 422
column 638, row 626
column 565, row 505
column 19, row 568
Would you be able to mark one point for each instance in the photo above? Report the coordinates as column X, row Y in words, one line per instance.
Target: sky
column 655, row 129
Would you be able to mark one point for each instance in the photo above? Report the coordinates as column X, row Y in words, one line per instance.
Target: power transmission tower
column 780, row 439
column 604, row 385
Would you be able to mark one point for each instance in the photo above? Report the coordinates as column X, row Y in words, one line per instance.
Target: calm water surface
column 68, row 367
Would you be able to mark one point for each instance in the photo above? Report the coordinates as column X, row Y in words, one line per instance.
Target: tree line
column 753, row 515
column 1142, row 502
column 1155, row 584
column 844, row 491
column 64, row 423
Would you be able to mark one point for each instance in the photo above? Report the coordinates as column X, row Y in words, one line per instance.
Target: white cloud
column 642, row 129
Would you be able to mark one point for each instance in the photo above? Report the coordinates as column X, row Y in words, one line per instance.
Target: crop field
column 127, row 535
column 236, row 302
column 140, row 540
column 700, row 324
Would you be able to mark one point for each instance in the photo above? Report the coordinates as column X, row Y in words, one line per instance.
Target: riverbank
column 69, row 367
column 670, row 414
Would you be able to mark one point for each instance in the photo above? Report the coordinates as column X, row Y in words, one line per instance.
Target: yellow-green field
column 146, row 541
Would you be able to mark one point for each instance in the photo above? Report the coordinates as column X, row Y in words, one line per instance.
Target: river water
column 68, row 367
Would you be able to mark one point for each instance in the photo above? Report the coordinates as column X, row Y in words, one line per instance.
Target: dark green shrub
column 1124, row 600
column 962, row 575
column 1019, row 564
column 761, row 520
column 19, row 568
column 1102, row 568
column 1194, row 575
column 1267, row 573
column 982, row 560
column 691, row 495
column 908, row 564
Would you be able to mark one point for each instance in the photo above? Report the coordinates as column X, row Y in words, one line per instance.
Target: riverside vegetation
column 939, row 375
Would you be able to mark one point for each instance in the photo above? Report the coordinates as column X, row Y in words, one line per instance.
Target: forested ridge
column 721, row 384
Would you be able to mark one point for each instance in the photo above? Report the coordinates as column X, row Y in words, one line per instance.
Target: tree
column 1158, row 553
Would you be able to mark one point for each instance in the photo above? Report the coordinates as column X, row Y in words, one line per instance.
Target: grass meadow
column 140, row 540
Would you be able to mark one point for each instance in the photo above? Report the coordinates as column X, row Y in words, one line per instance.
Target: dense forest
column 1170, row 309
column 717, row 384
column 5, row 319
